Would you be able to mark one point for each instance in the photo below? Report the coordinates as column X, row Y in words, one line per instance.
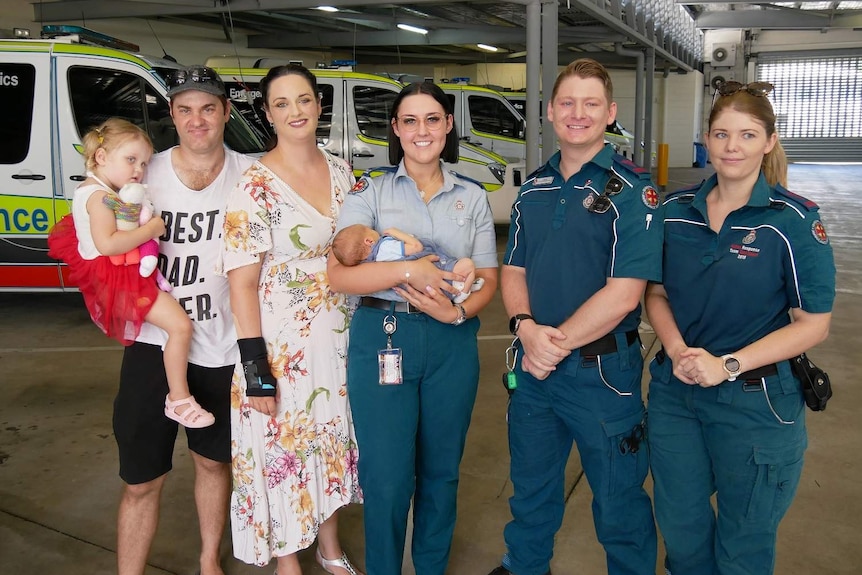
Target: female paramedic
column 749, row 282
column 412, row 361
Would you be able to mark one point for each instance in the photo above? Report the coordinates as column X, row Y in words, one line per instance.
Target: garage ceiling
column 368, row 29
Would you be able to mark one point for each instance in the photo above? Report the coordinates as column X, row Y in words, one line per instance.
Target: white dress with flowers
column 293, row 471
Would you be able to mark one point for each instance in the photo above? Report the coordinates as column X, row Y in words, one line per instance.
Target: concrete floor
column 58, row 462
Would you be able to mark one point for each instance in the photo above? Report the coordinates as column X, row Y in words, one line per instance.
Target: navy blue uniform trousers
column 595, row 402
column 411, row 436
column 725, row 440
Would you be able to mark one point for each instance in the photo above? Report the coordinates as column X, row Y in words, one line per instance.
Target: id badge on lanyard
column 389, row 359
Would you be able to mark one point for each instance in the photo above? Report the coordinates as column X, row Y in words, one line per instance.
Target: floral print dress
column 293, row 471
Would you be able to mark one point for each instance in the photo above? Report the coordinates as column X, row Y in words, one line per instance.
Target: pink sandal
column 194, row 416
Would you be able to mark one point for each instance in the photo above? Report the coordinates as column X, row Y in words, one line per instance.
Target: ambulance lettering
column 244, row 95
column 22, row 215
column 8, row 80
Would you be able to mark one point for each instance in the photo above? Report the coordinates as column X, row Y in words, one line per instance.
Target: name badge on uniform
column 544, row 181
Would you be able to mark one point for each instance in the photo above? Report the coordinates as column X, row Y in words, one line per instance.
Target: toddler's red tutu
column 117, row 297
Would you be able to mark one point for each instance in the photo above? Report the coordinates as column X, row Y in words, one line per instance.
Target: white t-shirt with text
column 189, row 251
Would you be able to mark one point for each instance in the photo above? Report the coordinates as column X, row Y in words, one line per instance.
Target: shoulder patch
column 818, row 230
column 796, row 199
column 630, row 167
column 650, row 197
column 360, row 186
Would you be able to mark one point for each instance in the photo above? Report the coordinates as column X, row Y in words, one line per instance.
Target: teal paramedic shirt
column 729, row 289
column 569, row 252
column 457, row 220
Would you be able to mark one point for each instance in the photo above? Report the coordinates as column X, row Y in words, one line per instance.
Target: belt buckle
column 411, row 309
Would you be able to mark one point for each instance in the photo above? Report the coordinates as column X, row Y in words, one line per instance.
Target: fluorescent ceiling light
column 328, row 8
column 487, row 47
column 410, row 28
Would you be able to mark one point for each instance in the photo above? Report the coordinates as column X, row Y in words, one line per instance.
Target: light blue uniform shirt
column 457, row 220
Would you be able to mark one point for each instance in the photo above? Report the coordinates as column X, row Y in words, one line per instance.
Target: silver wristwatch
column 731, row 366
column 462, row 314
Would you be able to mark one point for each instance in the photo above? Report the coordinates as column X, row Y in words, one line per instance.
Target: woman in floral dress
column 294, row 451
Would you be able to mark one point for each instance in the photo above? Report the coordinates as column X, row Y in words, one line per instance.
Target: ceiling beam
column 98, row 9
column 775, row 20
column 405, row 59
column 494, row 35
column 696, row 2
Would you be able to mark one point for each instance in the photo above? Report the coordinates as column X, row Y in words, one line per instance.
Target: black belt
column 759, row 373
column 607, row 344
column 400, row 306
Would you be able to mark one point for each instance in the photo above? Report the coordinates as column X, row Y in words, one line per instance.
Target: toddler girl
column 118, row 297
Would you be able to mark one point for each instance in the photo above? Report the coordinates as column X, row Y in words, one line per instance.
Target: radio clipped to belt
column 816, row 387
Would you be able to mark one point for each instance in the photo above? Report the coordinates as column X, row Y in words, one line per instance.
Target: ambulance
column 485, row 118
column 355, row 125
column 52, row 91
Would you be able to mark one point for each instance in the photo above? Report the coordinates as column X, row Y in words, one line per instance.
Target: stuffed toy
column 132, row 209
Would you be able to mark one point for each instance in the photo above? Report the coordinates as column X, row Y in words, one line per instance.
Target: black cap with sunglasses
column 200, row 78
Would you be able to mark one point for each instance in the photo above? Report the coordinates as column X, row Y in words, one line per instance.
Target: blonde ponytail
column 774, row 165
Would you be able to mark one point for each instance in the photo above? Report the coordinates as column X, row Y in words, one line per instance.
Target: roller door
column 818, row 103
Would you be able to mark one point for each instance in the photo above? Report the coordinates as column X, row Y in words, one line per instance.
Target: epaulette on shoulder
column 796, row 199
column 465, row 178
column 685, row 190
column 534, row 173
column 683, row 195
column 630, row 167
column 372, row 172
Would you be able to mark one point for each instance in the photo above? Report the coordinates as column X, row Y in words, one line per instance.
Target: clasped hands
column 543, row 349
column 696, row 366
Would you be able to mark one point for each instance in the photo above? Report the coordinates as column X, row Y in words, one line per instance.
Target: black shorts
column 145, row 436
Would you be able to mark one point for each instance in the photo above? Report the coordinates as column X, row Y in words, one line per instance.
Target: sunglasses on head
column 758, row 89
column 199, row 75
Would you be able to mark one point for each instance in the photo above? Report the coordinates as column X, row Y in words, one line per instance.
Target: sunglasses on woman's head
column 758, row 89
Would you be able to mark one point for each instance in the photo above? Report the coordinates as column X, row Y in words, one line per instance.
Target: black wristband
column 251, row 348
column 255, row 365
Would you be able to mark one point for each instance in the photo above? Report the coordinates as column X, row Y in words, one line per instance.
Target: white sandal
column 342, row 562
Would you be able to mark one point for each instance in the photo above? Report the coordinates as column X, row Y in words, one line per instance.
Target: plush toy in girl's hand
column 132, row 208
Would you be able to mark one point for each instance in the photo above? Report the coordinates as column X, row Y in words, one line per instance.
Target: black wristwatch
column 515, row 322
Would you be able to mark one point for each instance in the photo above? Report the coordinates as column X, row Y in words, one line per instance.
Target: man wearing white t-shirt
column 189, row 185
